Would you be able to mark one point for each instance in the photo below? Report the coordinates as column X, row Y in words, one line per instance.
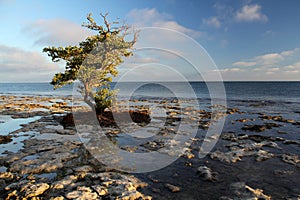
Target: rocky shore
column 256, row 156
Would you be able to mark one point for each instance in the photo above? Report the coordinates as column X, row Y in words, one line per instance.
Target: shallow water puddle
column 17, row 142
column 11, row 124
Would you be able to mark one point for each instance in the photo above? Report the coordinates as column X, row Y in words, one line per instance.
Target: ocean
column 264, row 91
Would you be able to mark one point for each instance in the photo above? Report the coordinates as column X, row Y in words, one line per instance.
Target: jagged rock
column 263, row 155
column 232, row 156
column 82, row 193
column 33, row 190
column 119, row 186
column 241, row 191
column 101, row 190
column 238, row 151
column 67, row 181
column 7, row 175
column 16, row 185
column 291, row 159
column 46, row 156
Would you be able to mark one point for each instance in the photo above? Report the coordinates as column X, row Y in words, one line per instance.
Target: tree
column 93, row 61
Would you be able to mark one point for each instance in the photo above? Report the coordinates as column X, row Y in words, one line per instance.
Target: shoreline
column 257, row 156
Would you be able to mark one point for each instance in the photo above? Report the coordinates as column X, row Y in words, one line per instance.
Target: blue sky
column 248, row 40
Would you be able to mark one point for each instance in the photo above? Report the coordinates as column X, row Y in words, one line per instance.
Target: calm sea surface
column 267, row 91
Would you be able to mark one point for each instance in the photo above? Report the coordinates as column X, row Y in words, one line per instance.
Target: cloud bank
column 56, row 32
column 152, row 18
column 277, row 66
column 17, row 65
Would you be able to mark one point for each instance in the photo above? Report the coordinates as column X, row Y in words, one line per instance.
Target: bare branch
column 107, row 24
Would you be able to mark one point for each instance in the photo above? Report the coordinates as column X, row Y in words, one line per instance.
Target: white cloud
column 152, row 18
column 232, row 70
column 292, row 66
column 145, row 17
column 288, row 53
column 56, row 32
column 212, row 21
column 269, row 59
column 251, row 13
column 244, row 64
column 138, row 59
column 283, row 65
column 274, row 69
column 17, row 65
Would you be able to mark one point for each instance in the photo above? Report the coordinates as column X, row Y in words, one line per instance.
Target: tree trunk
column 87, row 96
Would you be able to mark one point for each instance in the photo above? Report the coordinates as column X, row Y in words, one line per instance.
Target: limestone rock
column 82, row 193
column 291, row 159
column 207, row 173
column 33, row 190
column 172, row 188
column 241, row 191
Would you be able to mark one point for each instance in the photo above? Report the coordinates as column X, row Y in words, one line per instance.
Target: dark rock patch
column 4, row 139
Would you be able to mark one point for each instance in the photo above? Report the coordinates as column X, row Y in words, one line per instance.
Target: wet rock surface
column 5, row 139
column 256, row 156
column 242, row 191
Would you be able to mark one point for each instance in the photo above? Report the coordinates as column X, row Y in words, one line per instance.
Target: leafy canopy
column 93, row 61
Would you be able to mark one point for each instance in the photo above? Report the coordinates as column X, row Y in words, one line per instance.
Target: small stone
column 172, row 188
column 156, row 190
column 207, row 173
column 281, row 132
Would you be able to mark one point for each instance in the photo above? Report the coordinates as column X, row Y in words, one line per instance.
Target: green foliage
column 93, row 61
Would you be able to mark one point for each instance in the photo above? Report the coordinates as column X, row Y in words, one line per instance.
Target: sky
column 246, row 40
